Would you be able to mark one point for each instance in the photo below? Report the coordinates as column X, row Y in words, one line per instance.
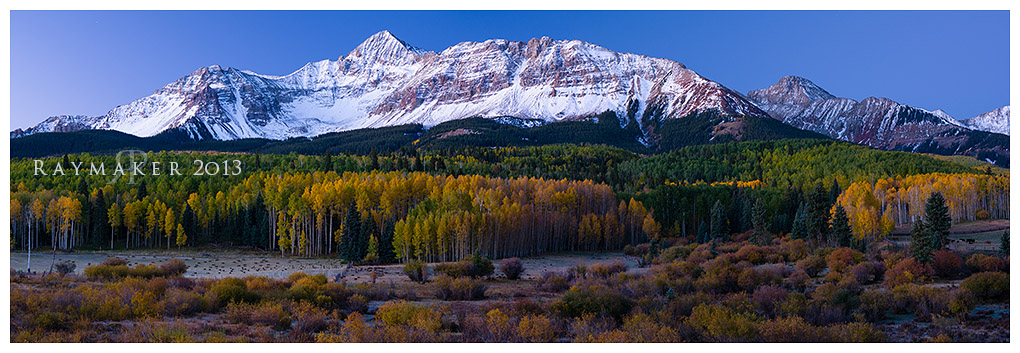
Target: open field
column 241, row 264
column 967, row 236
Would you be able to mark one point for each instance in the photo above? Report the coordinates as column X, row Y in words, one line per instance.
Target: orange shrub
column 811, row 264
column 907, row 271
column 982, row 262
column 841, row 259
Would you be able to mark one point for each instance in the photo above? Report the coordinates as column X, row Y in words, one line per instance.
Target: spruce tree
column 920, row 247
column 718, row 221
column 818, row 214
column 368, row 231
column 143, row 191
column 386, row 253
column 702, row 233
column 327, row 163
column 759, row 223
column 936, row 218
column 100, row 219
column 834, row 191
column 350, row 242
column 800, row 230
column 373, row 157
column 1004, row 242
column 841, row 227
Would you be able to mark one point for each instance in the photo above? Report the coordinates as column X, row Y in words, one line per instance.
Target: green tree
column 937, row 220
column 760, row 235
column 818, row 214
column 920, row 246
column 841, row 227
column 800, row 230
column 703, row 233
column 350, row 244
column 1004, row 242
column 718, row 221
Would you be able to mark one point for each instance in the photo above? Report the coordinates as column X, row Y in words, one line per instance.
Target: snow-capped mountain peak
column 385, row 81
column 942, row 114
column 875, row 121
column 791, row 89
column 996, row 121
column 384, row 47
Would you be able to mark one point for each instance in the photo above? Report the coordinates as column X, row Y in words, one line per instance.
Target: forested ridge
column 441, row 203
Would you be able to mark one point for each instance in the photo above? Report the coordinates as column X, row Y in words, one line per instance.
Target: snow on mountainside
column 877, row 122
column 60, row 123
column 996, row 121
column 385, row 82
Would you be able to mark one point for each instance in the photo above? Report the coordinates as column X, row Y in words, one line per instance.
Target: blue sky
column 87, row 62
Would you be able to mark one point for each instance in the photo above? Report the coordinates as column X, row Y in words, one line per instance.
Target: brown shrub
column 114, row 261
column 173, row 268
column 798, row 279
column 605, row 270
column 460, row 288
column 767, row 299
column 553, row 282
column 947, row 264
column 811, row 264
column 512, row 268
column 907, row 270
column 841, row 259
column 985, row 263
column 863, row 273
column 789, row 330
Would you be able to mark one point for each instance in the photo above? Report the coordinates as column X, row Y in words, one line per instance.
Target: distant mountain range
column 883, row 123
column 655, row 103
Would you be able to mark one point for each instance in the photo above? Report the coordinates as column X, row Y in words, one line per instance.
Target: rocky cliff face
column 385, row 82
column 876, row 122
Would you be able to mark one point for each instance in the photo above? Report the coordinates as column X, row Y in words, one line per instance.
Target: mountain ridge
column 877, row 122
column 385, row 81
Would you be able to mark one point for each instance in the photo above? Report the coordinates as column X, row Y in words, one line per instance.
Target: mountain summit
column 996, row 121
column 876, row 122
column 385, row 81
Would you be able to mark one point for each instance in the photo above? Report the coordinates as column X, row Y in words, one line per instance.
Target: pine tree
column 1004, row 242
column 100, row 219
column 702, row 233
column 143, row 191
column 818, row 214
column 327, row 163
column 920, row 247
column 760, row 235
column 373, row 157
column 800, row 230
column 386, row 253
column 188, row 219
column 834, row 191
column 350, row 243
column 841, row 227
column 718, row 221
column 937, row 220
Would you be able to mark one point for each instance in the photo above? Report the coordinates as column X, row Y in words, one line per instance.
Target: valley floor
column 222, row 264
